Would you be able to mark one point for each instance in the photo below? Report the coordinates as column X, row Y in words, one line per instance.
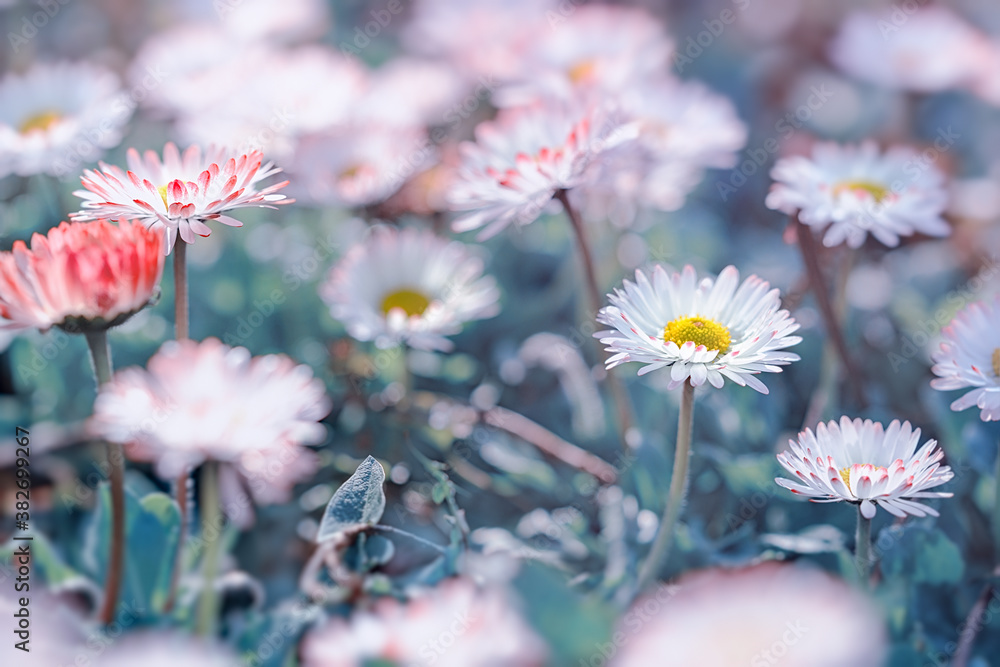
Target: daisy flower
column 854, row 190
column 683, row 128
column 969, row 358
column 358, row 165
column 487, row 38
column 80, row 276
column 772, row 614
column 196, row 402
column 524, row 157
column 181, row 193
column 456, row 624
column 56, row 116
column 933, row 50
column 865, row 464
column 409, row 287
column 706, row 330
column 598, row 50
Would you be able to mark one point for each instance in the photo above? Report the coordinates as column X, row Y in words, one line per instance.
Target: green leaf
column 360, row 501
column 48, row 565
column 922, row 555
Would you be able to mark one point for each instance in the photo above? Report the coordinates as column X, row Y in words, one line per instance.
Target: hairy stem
column 660, row 551
column 100, row 354
column 211, row 535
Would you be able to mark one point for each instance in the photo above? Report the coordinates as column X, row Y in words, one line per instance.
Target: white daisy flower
column 455, row 624
column 180, row 193
column 526, row 155
column 683, row 129
column 703, row 330
column 853, row 190
column 56, row 116
column 865, row 464
column 933, row 50
column 410, row 287
column 773, row 614
column 206, row 401
column 598, row 50
column 358, row 165
column 969, row 358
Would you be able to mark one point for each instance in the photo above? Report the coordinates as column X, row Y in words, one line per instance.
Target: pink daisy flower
column 181, row 192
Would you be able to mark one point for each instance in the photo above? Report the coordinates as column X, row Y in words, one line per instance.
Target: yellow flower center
column 163, row 193
column 39, row 122
column 877, row 191
column 581, row 71
column 410, row 301
column 700, row 331
column 996, row 362
column 845, row 473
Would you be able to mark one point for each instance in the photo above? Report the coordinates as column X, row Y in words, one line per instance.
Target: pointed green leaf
column 360, row 501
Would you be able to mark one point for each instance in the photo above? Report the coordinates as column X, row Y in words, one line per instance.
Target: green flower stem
column 100, row 354
column 211, row 535
column 863, row 548
column 619, row 394
column 810, row 257
column 181, row 332
column 660, row 551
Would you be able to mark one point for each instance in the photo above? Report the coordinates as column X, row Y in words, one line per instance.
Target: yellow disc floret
column 39, row 122
column 876, row 190
column 163, row 193
column 700, row 331
column 409, row 301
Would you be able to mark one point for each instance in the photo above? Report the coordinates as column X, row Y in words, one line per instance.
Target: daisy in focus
column 55, row 117
column 707, row 330
column 854, row 190
column 524, row 157
column 865, row 464
column 969, row 358
column 771, row 613
column 410, row 287
column 179, row 194
column 455, row 624
column 81, row 276
column 196, row 402
column 933, row 50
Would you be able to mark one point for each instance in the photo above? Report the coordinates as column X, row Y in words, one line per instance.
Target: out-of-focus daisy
column 358, row 165
column 181, row 193
column 456, row 624
column 933, row 50
column 56, row 116
column 969, row 358
column 81, row 276
column 482, row 39
column 854, row 190
column 683, row 128
column 598, row 50
column 410, row 92
column 772, row 613
column 706, row 330
column 524, row 157
column 207, row 401
column 162, row 648
column 254, row 103
column 409, row 287
column 865, row 464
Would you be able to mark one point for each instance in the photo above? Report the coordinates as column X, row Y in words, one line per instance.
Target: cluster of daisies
column 589, row 122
